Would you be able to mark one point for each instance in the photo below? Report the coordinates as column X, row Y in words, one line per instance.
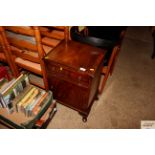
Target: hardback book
column 51, row 110
column 12, row 89
column 45, row 105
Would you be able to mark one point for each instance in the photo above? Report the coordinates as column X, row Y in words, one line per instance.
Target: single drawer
column 68, row 75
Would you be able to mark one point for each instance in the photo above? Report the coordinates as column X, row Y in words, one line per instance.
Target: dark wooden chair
column 27, row 49
column 111, row 44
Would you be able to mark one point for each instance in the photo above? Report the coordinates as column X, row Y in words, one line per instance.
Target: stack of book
column 12, row 89
column 32, row 102
column 19, row 96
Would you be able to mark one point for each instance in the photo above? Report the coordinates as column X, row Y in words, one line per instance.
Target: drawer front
column 71, row 76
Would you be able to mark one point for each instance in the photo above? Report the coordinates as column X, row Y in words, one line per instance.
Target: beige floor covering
column 129, row 95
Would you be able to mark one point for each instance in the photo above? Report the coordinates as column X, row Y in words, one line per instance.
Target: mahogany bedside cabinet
column 73, row 71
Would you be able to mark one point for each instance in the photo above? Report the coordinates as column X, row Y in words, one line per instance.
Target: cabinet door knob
column 92, row 69
column 61, row 68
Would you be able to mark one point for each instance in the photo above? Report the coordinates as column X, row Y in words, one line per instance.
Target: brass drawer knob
column 61, row 68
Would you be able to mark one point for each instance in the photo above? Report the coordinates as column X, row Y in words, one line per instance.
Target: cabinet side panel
column 95, row 84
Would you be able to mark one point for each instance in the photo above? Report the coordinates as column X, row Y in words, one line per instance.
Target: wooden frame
column 106, row 70
column 22, row 45
column 7, row 53
column 41, row 55
column 65, row 29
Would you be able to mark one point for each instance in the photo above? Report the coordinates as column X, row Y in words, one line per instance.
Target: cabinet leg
column 84, row 117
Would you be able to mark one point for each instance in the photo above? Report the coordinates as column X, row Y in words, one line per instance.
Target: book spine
column 47, row 113
column 15, row 92
column 11, row 85
column 27, row 80
column 30, row 100
column 31, row 97
column 31, row 106
column 37, row 106
column 3, row 104
column 16, row 83
column 30, row 124
column 25, row 97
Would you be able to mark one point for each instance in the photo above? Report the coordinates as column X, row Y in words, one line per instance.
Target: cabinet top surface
column 77, row 56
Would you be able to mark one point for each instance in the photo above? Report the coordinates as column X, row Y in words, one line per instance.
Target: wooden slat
column 59, row 27
column 36, row 80
column 28, row 55
column 108, row 69
column 26, row 30
column 47, row 49
column 43, row 28
column 50, row 42
column 55, row 34
column 28, row 65
column 22, row 44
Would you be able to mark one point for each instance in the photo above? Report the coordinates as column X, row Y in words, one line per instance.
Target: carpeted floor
column 128, row 96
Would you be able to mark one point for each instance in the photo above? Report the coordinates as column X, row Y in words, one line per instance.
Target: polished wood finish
column 50, row 42
column 25, row 54
column 22, row 44
column 2, row 54
column 25, row 30
column 66, row 31
column 74, row 74
column 56, row 33
column 41, row 55
column 6, row 53
column 106, row 70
